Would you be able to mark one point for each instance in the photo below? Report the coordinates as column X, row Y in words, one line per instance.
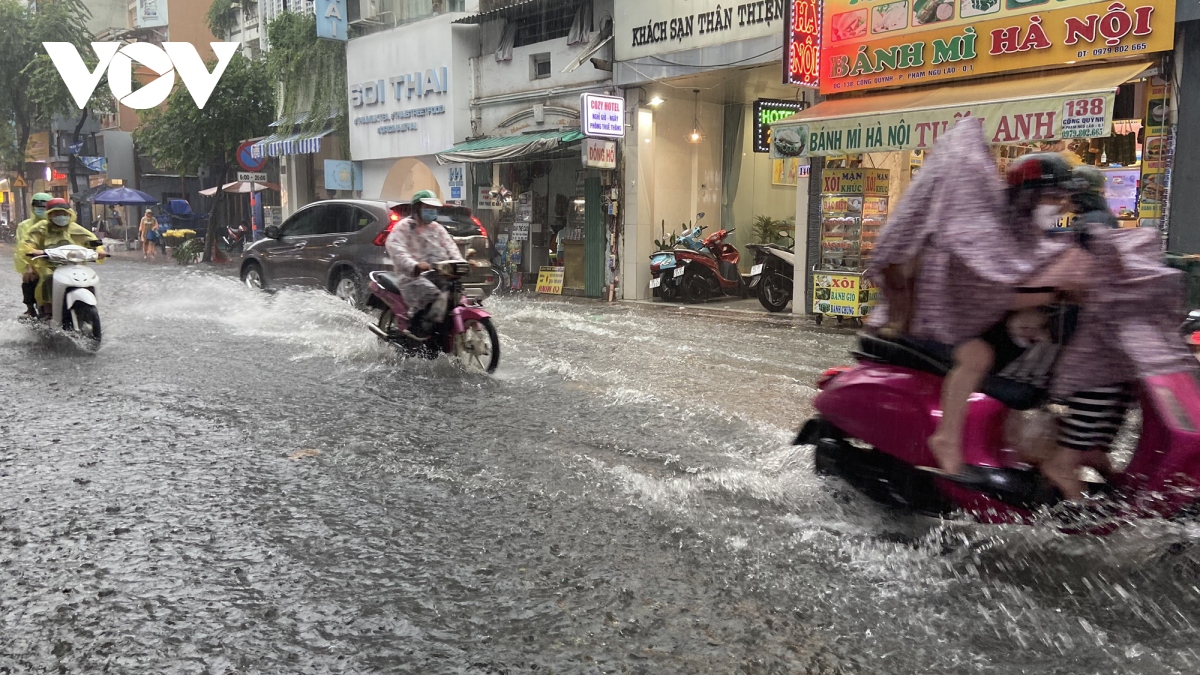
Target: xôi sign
column 870, row 43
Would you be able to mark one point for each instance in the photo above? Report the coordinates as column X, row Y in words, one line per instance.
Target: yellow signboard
column 550, row 280
column 1155, row 153
column 855, row 181
column 844, row 295
column 869, row 44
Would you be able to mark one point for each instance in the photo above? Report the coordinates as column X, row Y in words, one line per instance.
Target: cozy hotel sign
column 868, row 44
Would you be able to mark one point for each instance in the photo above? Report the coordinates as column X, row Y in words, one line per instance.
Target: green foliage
column 768, row 230
column 667, row 243
column 311, row 73
column 31, row 90
column 221, row 18
column 183, row 139
column 188, row 252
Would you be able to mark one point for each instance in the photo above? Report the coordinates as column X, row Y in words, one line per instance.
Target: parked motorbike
column 234, row 239
column 664, row 282
column 711, row 272
column 875, row 420
column 772, row 275
column 73, row 298
column 465, row 332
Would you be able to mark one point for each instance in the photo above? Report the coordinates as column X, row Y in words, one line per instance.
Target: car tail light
column 482, row 229
column 827, row 376
column 381, row 238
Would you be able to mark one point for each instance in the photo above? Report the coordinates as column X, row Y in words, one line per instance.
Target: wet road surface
column 239, row 483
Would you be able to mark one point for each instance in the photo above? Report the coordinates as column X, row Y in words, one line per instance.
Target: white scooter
column 74, row 307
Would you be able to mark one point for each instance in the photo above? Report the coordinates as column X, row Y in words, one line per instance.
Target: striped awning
column 495, row 148
column 277, row 145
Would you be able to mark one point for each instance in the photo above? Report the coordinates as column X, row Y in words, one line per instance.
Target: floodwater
column 243, row 483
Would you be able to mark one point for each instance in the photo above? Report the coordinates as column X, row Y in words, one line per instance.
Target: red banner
column 802, row 43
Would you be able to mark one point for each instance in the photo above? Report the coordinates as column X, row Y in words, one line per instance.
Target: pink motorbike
column 465, row 332
column 875, row 420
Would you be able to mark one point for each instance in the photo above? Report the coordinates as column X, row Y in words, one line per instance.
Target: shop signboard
column 658, row 27
column 843, row 295
column 1155, row 154
column 767, row 111
column 550, row 280
column 485, row 201
column 802, row 43
column 332, row 19
column 456, row 180
column 603, row 116
column 599, row 153
column 871, row 44
column 1015, row 121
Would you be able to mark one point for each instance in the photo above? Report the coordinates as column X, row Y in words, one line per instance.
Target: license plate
column 654, row 283
column 756, row 270
column 679, row 271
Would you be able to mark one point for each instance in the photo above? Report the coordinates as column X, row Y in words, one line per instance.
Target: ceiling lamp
column 697, row 133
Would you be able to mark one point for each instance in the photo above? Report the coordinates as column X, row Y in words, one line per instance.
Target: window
column 550, row 24
column 305, row 223
column 358, row 220
column 539, row 66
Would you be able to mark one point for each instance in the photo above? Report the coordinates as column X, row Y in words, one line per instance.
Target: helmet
column 1090, row 178
column 426, row 197
column 58, row 205
column 1042, row 170
column 40, row 199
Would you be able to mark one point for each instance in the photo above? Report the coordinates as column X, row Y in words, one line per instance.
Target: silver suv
column 335, row 244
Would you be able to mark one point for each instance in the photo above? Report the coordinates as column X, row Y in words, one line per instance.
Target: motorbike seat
column 388, row 282
column 937, row 359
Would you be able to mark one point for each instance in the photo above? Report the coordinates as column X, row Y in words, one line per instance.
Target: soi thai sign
column 868, row 44
column 1021, row 121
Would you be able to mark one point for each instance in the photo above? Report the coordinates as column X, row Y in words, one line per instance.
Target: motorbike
column 465, row 332
column 771, row 277
column 664, row 283
column 235, row 238
column 73, row 298
column 875, row 418
column 710, row 273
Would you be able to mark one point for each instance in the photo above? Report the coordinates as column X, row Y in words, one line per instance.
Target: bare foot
column 1063, row 471
column 947, row 453
column 1100, row 461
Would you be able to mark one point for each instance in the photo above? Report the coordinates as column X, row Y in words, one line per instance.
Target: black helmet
column 1042, row 170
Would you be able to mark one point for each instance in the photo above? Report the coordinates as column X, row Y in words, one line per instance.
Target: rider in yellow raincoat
column 20, row 262
column 58, row 229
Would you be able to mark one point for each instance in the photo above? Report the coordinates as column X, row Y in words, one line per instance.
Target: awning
column 496, row 148
column 241, row 187
column 288, row 144
column 1073, row 103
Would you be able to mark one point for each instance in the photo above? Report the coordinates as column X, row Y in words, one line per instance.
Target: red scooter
column 875, row 420
column 710, row 272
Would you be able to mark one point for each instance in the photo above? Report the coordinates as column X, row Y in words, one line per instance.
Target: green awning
column 495, row 148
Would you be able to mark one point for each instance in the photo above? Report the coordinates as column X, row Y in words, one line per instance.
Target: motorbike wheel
column 478, row 347
column 774, row 292
column 87, row 323
column 695, row 287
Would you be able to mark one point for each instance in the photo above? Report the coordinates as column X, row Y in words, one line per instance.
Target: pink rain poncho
column 1129, row 322
column 951, row 228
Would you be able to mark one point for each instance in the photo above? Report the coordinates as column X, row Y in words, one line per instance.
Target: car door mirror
column 273, row 232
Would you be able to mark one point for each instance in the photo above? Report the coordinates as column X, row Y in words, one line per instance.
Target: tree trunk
column 23, row 133
column 210, row 236
column 73, row 161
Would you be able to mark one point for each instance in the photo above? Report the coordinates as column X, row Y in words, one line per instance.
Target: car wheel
column 253, row 277
column 349, row 288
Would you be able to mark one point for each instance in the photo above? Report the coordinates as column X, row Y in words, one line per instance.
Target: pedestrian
column 29, row 276
column 148, row 235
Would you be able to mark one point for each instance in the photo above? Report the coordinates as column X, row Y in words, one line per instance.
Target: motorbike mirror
column 272, row 232
column 699, row 216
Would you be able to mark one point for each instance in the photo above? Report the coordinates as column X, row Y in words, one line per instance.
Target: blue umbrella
column 124, row 196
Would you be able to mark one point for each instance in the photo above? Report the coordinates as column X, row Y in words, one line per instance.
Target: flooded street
column 243, row 483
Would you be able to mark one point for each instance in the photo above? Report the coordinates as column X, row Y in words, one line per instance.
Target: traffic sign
column 247, row 160
column 252, row 177
column 20, row 183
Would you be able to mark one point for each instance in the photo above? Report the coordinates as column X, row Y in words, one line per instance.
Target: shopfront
column 1082, row 78
column 409, row 90
column 703, row 83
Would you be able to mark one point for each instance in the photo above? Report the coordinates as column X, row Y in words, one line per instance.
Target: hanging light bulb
column 697, row 133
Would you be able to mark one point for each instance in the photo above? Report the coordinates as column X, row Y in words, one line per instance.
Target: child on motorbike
column 962, row 251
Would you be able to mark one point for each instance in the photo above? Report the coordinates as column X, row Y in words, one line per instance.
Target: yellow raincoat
column 44, row 235
column 20, row 262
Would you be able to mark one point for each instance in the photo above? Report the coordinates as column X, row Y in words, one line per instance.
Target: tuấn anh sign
column 868, row 44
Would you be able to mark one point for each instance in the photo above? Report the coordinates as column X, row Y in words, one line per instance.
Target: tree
column 184, row 139
column 311, row 73
column 220, row 18
column 31, row 91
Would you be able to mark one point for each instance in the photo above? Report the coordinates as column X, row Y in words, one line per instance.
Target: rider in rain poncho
column 59, row 229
